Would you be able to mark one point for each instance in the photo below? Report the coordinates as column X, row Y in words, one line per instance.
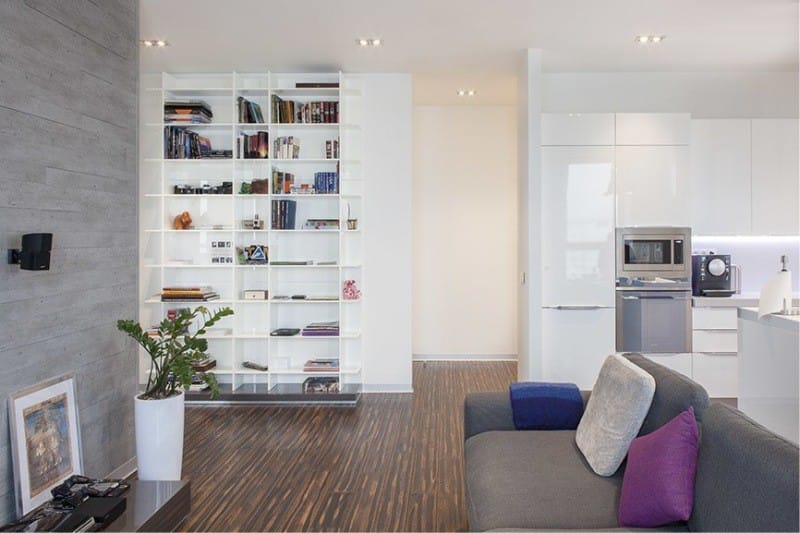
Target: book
column 317, row 85
column 321, row 365
column 206, row 364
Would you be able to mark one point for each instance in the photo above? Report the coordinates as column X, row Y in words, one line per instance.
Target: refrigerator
column 578, row 250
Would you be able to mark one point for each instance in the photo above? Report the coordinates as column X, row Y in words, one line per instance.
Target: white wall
column 465, row 232
column 387, row 263
column 703, row 94
column 529, row 162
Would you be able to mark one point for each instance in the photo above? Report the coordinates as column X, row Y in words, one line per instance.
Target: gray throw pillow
column 619, row 402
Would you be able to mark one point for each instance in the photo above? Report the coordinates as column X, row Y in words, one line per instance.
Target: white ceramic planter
column 159, row 438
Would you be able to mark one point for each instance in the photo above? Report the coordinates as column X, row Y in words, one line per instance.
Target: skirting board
column 463, row 357
column 125, row 470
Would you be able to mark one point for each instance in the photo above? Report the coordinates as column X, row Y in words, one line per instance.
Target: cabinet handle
column 578, row 307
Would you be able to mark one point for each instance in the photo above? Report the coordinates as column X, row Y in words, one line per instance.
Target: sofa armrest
column 491, row 411
column 487, row 411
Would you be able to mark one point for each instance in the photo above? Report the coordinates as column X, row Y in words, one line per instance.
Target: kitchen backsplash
column 758, row 257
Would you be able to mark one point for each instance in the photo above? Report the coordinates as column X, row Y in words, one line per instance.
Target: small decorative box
column 255, row 295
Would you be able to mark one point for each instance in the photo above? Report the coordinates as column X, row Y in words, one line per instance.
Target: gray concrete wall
column 68, row 106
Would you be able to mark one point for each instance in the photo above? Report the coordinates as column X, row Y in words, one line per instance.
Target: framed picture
column 45, row 440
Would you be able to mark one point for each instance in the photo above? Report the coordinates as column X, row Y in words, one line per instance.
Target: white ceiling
column 449, row 37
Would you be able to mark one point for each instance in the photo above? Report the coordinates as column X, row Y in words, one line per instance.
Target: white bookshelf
column 184, row 257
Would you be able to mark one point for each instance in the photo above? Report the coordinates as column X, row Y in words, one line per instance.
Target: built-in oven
column 654, row 296
column 654, row 252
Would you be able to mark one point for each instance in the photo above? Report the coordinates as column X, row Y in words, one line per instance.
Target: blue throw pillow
column 549, row 406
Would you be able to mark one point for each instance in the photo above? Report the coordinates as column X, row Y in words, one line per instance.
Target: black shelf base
column 281, row 393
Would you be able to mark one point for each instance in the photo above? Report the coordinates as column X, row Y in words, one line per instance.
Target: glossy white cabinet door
column 720, row 177
column 718, row 373
column 577, row 226
column 646, row 129
column 775, row 177
column 577, row 129
column 575, row 344
column 653, row 186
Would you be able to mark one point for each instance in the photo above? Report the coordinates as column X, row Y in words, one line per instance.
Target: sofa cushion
column 674, row 394
column 536, row 480
column 658, row 485
column 747, row 476
column 619, row 402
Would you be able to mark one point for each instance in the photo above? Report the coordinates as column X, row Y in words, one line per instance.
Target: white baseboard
column 464, row 358
column 125, row 470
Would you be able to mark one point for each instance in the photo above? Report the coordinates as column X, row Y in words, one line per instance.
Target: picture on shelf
column 255, row 254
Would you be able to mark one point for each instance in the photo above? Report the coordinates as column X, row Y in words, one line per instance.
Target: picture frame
column 45, row 439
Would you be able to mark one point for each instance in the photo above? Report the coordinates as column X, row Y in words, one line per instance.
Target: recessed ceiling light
column 376, row 42
column 461, row 92
column 362, row 42
column 467, row 92
column 471, row 92
column 645, row 39
column 149, row 43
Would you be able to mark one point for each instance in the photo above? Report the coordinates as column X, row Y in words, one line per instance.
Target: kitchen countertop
column 790, row 322
column 737, row 300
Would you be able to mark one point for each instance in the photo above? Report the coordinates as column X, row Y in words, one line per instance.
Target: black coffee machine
column 711, row 275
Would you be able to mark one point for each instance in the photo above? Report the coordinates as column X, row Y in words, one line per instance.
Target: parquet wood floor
column 394, row 463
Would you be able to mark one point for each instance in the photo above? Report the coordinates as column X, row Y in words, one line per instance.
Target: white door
column 775, row 167
column 578, row 226
column 652, row 186
column 720, row 177
column 575, row 343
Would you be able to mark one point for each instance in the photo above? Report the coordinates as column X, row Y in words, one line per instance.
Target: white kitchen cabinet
column 775, row 177
column 714, row 341
column 648, row 129
column 575, row 343
column 679, row 362
column 720, row 177
column 577, row 129
column 652, row 185
column 718, row 373
column 715, row 318
column 577, row 226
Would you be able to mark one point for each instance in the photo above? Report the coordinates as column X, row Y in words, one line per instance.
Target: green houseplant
column 158, row 411
column 173, row 350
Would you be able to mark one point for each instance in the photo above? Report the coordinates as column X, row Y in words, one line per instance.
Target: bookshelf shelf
column 220, row 217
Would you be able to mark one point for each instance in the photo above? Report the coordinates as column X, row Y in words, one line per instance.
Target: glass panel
column 648, row 252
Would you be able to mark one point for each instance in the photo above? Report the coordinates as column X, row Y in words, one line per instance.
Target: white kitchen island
column 769, row 351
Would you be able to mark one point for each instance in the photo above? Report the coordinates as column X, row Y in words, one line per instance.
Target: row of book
column 291, row 112
column 188, row 294
column 286, row 147
column 321, row 223
column 332, row 149
column 326, row 182
column 282, row 182
column 248, row 112
column 255, row 146
column 187, row 112
column 321, row 329
column 183, row 143
column 283, row 214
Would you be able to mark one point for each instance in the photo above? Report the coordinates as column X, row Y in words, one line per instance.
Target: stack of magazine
column 321, row 365
column 322, row 329
column 188, row 294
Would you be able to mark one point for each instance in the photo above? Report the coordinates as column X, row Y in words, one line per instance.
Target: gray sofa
column 747, row 477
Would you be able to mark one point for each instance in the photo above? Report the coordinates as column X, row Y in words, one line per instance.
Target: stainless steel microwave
column 647, row 252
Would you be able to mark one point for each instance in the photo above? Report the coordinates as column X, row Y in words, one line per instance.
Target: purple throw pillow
column 658, row 486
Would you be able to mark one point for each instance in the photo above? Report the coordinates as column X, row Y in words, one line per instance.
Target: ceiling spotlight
column 362, row 42
column 461, row 92
column 161, row 43
column 376, row 42
column 642, row 39
column 146, row 43
column 471, row 92
column 657, row 38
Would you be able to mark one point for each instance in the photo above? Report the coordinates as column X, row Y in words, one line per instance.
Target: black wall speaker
column 35, row 252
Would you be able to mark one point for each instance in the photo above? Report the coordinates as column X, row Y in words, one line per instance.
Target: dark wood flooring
column 393, row 463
